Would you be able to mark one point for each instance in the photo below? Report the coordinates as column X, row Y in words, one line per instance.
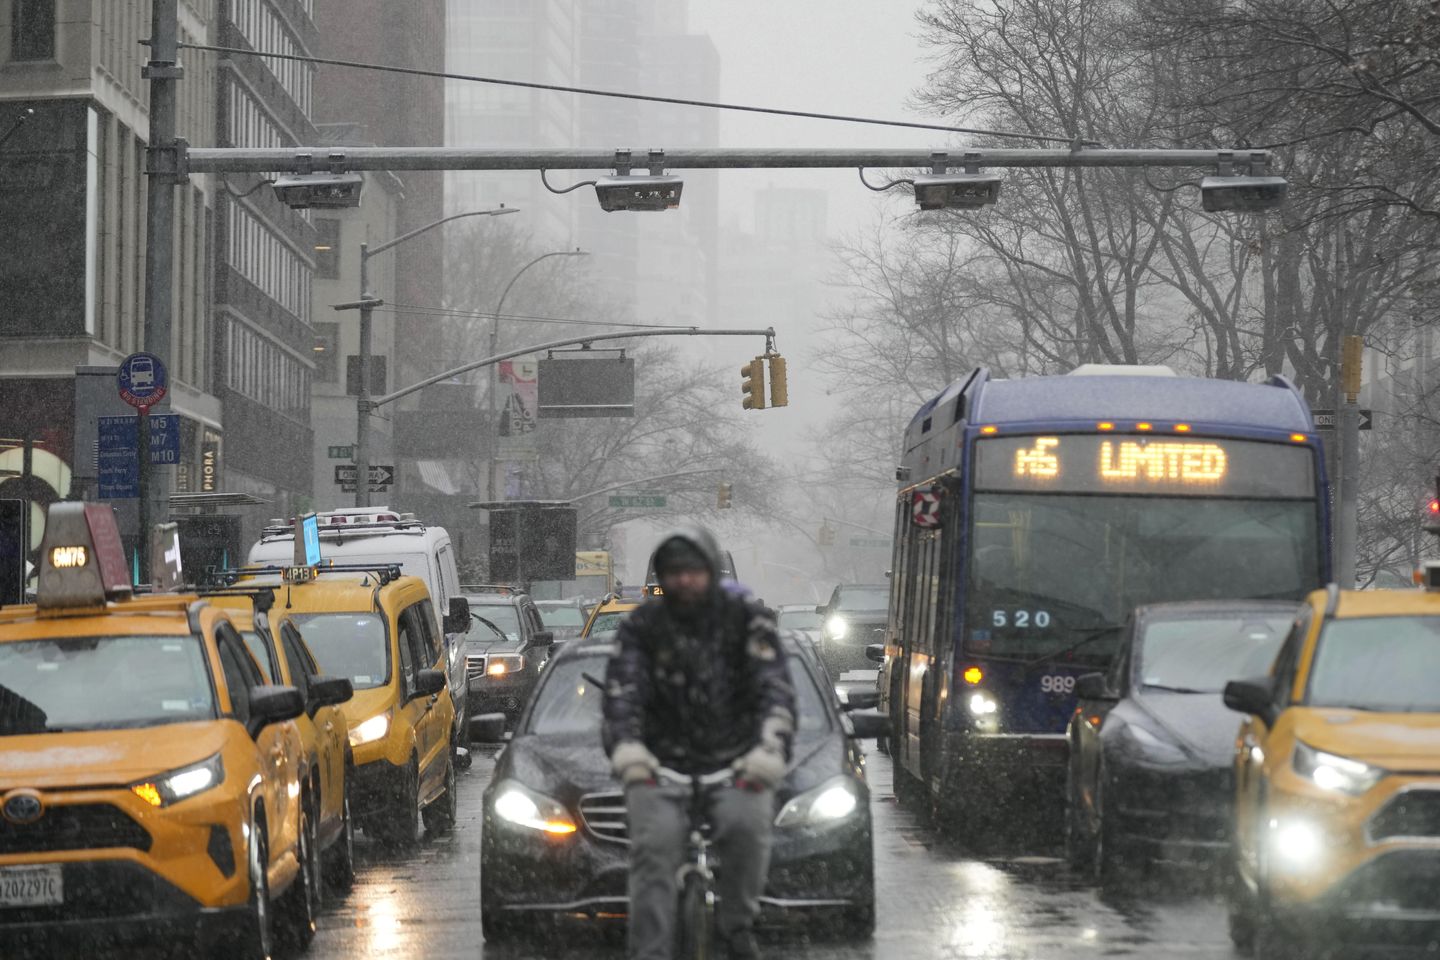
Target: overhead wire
column 419, row 309
column 618, row 95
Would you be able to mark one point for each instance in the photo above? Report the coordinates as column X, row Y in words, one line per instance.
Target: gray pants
column 659, row 837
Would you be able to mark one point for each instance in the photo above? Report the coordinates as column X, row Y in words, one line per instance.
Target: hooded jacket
column 696, row 686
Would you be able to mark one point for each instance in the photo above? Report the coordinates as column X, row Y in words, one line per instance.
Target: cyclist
column 698, row 685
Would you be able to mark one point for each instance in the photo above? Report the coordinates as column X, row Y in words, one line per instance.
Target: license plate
column 38, row 886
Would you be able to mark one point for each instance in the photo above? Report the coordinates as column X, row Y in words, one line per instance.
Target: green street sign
column 641, row 500
column 342, row 453
column 869, row 542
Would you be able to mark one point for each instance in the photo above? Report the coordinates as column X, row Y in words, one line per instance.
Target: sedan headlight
column 502, row 666
column 370, row 730
column 826, row 805
column 836, row 628
column 1329, row 772
column 523, row 807
column 181, row 784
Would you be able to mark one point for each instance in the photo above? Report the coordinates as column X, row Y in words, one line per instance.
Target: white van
column 379, row 535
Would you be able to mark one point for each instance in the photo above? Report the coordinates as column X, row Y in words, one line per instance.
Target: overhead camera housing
column 638, row 193
column 956, row 191
column 319, row 190
column 1243, row 193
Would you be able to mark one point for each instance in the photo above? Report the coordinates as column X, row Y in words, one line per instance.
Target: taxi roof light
column 82, row 560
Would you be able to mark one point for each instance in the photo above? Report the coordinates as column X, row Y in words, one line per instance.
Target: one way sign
column 380, row 475
column 1325, row 419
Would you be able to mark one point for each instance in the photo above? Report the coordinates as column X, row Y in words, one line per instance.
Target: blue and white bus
column 1033, row 515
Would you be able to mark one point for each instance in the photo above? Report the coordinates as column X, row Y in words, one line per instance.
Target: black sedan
column 554, row 839
column 501, row 670
column 1151, row 741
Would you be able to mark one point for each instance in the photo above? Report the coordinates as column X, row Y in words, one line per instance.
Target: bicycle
column 695, row 915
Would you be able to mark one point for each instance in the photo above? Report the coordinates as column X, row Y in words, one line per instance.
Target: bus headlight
column 983, row 704
column 1329, row 772
column 836, row 628
column 828, row 803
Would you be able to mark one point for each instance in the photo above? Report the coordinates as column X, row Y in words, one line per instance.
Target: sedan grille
column 94, row 826
column 474, row 666
column 1415, row 813
column 604, row 816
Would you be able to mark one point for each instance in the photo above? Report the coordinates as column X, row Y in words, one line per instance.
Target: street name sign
column 640, row 501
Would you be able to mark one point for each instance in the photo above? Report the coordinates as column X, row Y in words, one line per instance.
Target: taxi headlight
column 181, row 784
column 836, row 628
column 370, row 730
column 1329, row 772
column 1295, row 845
column 523, row 807
column 829, row 803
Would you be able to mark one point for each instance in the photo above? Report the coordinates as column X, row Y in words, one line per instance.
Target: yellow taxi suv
column 608, row 615
column 326, row 760
column 1337, row 818
column 148, row 770
column 377, row 629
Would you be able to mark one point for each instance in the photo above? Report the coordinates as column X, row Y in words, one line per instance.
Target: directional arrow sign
column 381, row 475
column 1325, row 419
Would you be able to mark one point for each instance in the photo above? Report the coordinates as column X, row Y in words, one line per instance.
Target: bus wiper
column 1088, row 638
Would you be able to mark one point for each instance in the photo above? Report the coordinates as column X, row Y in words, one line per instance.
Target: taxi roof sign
column 82, row 561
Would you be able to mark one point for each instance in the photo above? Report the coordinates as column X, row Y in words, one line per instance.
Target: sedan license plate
column 37, row 886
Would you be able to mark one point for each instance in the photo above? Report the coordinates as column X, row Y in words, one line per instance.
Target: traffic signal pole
column 1347, row 515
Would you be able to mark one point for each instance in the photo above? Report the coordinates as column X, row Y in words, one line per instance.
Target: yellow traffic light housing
column 723, row 495
column 779, row 390
column 827, row 535
column 752, row 384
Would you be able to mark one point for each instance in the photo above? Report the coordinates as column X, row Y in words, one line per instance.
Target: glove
column 633, row 763
column 762, row 766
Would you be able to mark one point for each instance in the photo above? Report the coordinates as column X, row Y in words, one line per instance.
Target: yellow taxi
column 148, row 770
column 608, row 615
column 1337, row 819
column 376, row 628
column 324, row 732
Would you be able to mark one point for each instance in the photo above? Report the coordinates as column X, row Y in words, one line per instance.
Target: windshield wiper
column 1169, row 689
column 1088, row 638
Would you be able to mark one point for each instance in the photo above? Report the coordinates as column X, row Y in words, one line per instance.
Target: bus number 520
column 1021, row 619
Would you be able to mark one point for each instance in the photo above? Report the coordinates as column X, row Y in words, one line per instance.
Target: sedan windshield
column 864, row 599
column 98, row 683
column 351, row 645
column 799, row 620
column 1201, row 655
column 562, row 616
column 1387, row 664
column 569, row 703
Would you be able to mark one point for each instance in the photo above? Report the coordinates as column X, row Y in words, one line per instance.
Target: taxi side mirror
column 429, row 683
column 458, row 619
column 330, row 691
column 868, row 725
column 543, row 638
column 1252, row 697
column 274, row 704
column 857, row 697
column 487, row 728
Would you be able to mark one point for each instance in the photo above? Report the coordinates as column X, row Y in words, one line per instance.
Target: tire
column 697, row 931
column 440, row 816
column 340, row 858
column 398, row 826
column 300, row 905
column 496, row 927
column 254, row 937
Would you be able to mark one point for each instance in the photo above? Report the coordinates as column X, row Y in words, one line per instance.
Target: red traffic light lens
column 1434, row 507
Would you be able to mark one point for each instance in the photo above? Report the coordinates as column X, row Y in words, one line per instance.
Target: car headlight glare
column 1330, row 772
column 828, row 804
column 522, row 807
column 1294, row 844
column 181, row 784
column 836, row 628
column 370, row 730
column 983, row 704
column 500, row 666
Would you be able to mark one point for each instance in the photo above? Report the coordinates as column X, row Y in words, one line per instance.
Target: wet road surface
column 935, row 901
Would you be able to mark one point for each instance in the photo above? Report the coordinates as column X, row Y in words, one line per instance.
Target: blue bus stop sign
column 142, row 380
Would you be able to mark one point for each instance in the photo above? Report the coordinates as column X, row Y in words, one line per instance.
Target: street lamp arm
column 631, row 483
column 768, row 332
column 381, row 248
column 500, row 304
column 861, row 526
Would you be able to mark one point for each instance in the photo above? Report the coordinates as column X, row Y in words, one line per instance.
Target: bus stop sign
column 142, row 380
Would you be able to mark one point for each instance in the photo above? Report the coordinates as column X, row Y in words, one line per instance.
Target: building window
column 327, row 249
column 32, row 30
column 327, row 352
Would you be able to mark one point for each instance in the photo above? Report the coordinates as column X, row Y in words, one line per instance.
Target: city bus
column 1033, row 515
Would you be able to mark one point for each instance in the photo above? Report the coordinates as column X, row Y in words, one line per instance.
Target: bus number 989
column 1021, row 619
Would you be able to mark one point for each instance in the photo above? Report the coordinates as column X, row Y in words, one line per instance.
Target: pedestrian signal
column 752, row 384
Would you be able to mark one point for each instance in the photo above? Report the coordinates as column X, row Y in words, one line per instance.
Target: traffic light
column 827, row 535
column 779, row 391
column 722, row 496
column 752, row 384
column 1431, row 523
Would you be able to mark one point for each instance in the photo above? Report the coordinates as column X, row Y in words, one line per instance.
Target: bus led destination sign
column 1084, row 463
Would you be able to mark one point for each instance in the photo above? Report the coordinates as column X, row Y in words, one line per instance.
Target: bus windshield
column 1051, row 572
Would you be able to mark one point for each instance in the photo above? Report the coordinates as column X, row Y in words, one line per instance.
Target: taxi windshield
column 608, row 622
column 1387, row 664
column 350, row 645
column 102, row 683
